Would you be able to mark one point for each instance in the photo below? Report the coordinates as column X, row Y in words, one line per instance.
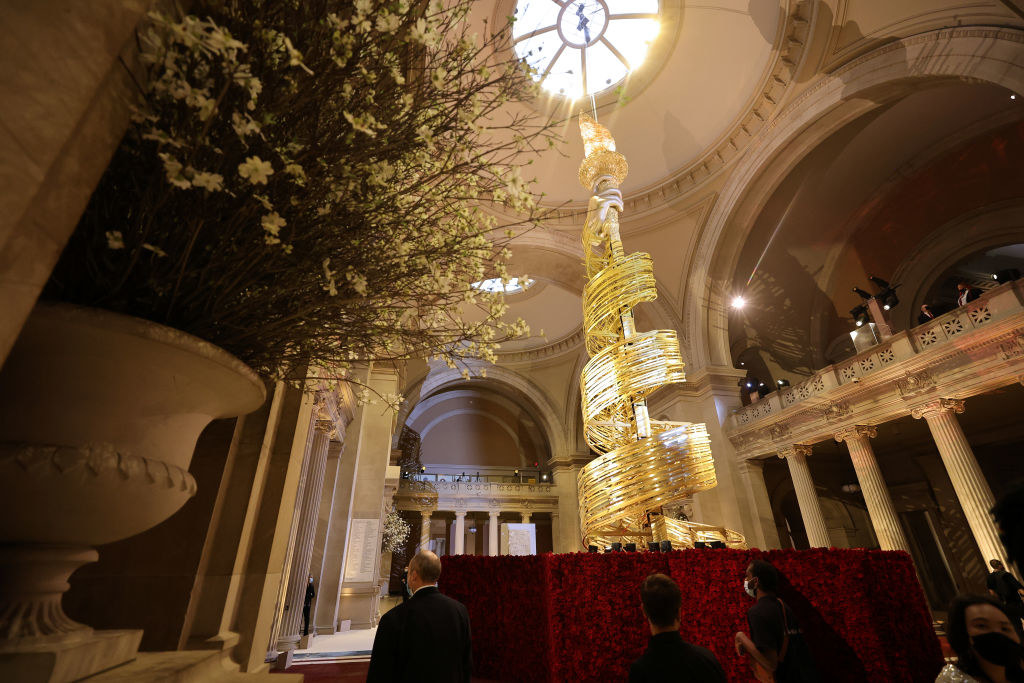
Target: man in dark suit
column 668, row 657
column 965, row 293
column 925, row 315
column 426, row 638
column 307, row 605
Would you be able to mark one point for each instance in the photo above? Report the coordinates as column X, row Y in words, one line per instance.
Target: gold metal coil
column 629, row 482
column 644, row 464
column 621, row 285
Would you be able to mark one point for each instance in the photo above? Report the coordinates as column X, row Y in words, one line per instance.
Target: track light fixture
column 859, row 315
column 861, row 293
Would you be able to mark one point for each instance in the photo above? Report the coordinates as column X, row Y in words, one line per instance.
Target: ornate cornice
column 855, row 432
column 937, row 407
column 564, row 345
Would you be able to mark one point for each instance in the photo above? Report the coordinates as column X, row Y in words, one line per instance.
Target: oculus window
column 583, row 47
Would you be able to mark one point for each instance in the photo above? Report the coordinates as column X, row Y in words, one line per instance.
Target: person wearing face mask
column 987, row 647
column 776, row 646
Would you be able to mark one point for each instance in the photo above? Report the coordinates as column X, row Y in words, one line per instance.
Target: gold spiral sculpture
column 644, row 463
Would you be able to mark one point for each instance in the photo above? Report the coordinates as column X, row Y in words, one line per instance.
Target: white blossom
column 255, row 170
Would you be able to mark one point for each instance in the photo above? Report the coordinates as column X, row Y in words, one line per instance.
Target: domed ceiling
column 701, row 73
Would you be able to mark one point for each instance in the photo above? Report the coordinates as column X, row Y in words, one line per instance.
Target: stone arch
column 991, row 226
column 504, row 382
column 988, row 55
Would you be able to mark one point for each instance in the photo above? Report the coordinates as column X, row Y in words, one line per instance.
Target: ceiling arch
column 884, row 75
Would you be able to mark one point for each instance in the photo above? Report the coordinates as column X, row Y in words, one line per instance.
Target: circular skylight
column 512, row 285
column 582, row 47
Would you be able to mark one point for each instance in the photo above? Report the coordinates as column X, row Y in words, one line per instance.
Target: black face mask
column 997, row 648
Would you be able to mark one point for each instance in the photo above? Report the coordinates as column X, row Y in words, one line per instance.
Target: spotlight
column 653, row 546
column 994, row 276
column 861, row 293
column 783, row 383
column 422, row 469
column 859, row 314
column 631, row 547
column 738, row 302
column 1013, row 97
column 544, row 477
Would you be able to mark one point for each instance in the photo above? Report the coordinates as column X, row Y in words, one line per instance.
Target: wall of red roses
column 577, row 617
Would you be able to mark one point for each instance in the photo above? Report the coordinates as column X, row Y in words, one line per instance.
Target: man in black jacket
column 668, row 657
column 426, row 638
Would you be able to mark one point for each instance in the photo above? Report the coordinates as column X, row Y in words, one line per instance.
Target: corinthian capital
column 942, row 405
column 795, row 449
column 856, row 432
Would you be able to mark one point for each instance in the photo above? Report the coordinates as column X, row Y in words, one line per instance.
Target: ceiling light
column 859, row 323
column 1013, row 97
column 885, row 307
column 994, row 276
column 738, row 302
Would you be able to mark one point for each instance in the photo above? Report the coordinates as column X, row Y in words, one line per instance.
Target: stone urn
column 99, row 417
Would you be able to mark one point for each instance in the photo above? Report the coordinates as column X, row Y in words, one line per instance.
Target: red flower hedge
column 576, row 617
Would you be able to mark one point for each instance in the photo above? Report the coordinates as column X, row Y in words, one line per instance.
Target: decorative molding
column 564, row 345
column 835, row 410
column 778, row 431
column 915, row 383
column 856, row 432
column 1012, row 349
column 942, row 405
column 796, row 449
column 96, row 460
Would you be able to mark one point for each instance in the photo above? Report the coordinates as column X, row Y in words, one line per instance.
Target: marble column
column 883, row 515
column 291, row 626
column 806, row 495
column 492, row 533
column 459, row 547
column 972, row 490
column 424, row 530
column 766, row 535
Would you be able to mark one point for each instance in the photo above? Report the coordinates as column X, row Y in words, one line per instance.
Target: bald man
column 425, row 639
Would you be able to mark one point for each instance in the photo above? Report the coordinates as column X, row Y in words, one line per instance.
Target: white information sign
column 363, row 549
column 518, row 539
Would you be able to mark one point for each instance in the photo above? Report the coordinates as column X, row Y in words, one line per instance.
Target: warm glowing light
column 859, row 323
column 738, row 302
column 583, row 47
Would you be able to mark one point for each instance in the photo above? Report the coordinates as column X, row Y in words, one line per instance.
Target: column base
column 306, row 641
column 67, row 658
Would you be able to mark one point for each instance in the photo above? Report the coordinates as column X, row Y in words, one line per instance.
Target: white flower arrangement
column 306, row 185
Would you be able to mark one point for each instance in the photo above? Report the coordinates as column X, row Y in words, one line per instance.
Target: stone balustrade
column 880, row 383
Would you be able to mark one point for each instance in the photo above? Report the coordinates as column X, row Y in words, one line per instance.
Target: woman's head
column 975, row 629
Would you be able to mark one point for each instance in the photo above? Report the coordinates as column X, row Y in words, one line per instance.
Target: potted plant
column 305, row 186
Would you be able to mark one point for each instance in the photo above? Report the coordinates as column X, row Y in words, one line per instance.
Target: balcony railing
column 943, row 332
